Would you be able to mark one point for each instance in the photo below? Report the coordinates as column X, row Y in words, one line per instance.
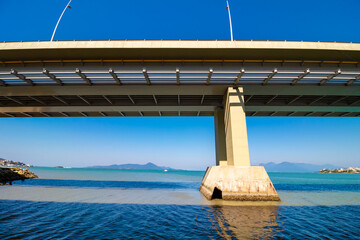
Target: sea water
column 120, row 204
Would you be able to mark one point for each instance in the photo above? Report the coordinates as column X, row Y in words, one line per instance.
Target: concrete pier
column 233, row 178
column 238, row 183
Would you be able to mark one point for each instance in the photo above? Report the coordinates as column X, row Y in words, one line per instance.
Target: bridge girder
column 316, row 81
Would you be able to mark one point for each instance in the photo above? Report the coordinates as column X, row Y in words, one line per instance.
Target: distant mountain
column 148, row 166
column 295, row 167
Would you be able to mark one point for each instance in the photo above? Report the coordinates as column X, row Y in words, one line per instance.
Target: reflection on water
column 250, row 222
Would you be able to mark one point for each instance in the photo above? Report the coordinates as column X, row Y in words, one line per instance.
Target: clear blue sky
column 186, row 143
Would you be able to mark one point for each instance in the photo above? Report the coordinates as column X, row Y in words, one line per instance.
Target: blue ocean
column 139, row 204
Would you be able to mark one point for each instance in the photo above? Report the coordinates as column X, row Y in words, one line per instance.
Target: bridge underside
column 175, row 105
column 186, row 79
column 148, row 89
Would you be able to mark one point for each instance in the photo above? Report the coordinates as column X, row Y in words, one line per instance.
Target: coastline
column 341, row 170
column 10, row 174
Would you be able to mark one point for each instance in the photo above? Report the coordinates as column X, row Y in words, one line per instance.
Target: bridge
column 225, row 79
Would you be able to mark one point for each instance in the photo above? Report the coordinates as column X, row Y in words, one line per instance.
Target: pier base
column 238, row 183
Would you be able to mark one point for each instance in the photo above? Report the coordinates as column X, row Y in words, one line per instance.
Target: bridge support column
column 220, row 138
column 233, row 178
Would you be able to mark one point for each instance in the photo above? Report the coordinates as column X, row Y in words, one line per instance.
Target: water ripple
column 54, row 220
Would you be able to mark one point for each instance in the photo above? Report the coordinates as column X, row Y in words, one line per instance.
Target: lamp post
column 231, row 30
column 67, row 6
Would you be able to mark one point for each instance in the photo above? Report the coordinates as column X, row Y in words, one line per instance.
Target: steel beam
column 115, row 77
column 8, row 114
column 238, row 77
column 83, row 76
column 22, row 77
column 26, row 114
column 301, row 76
column 14, row 100
column 272, row 114
column 356, row 102
column 37, row 100
column 291, row 114
column 84, row 99
column 209, row 76
column 270, row 76
column 64, row 114
column 108, row 100
column 202, row 99
column 351, row 81
column 178, row 76
column 45, row 114
column 294, row 99
column 302, row 108
column 331, row 76
column 178, row 90
column 146, row 76
column 155, row 100
column 58, row 109
column 249, row 98
column 271, row 99
column 345, row 114
column 52, row 76
column 326, row 114
column 60, row 99
column 131, row 99
column 316, row 100
column 338, row 100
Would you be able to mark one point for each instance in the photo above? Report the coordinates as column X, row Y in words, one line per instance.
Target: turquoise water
column 117, row 204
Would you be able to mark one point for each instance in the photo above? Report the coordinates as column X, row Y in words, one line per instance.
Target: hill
column 148, row 166
column 295, row 167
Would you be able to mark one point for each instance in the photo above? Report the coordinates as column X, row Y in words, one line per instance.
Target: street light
column 231, row 31
column 67, row 6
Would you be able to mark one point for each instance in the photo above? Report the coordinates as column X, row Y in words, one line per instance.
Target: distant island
column 148, row 166
column 9, row 163
column 295, row 167
column 341, row 170
column 61, row 167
